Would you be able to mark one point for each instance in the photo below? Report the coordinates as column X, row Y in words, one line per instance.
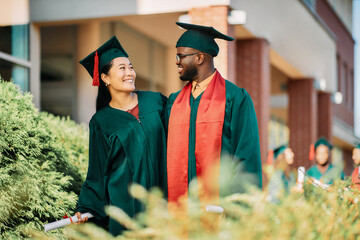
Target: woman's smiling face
column 322, row 154
column 121, row 76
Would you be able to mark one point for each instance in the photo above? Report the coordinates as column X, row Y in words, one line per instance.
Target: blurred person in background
column 282, row 179
column 323, row 170
column 355, row 176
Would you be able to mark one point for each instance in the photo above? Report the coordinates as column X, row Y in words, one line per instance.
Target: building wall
column 14, row 42
column 278, row 125
column 14, row 12
column 345, row 61
column 343, row 9
column 311, row 56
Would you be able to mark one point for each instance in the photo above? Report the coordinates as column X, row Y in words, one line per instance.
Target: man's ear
column 200, row 58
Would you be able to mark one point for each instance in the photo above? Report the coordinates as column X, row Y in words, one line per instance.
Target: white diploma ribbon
column 65, row 221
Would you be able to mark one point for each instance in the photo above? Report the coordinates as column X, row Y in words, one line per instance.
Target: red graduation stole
column 355, row 178
column 209, row 124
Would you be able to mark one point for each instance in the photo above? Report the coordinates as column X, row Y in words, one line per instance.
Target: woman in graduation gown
column 282, row 180
column 323, row 170
column 127, row 137
column 355, row 176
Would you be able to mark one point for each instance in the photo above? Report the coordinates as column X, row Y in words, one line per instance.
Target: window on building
column 147, row 55
column 14, row 54
column 338, row 68
column 58, row 83
column 344, row 82
column 278, row 132
column 351, row 90
column 310, row 3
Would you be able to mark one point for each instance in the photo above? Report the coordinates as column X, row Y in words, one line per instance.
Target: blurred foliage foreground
column 42, row 165
column 43, row 160
column 314, row 214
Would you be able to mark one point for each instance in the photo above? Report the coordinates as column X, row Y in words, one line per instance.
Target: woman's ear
column 104, row 78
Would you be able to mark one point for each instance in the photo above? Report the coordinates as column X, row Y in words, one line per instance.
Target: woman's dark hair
column 103, row 97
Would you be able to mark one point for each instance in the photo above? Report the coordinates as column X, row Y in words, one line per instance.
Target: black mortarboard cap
column 273, row 154
column 96, row 60
column 279, row 150
column 201, row 38
column 323, row 141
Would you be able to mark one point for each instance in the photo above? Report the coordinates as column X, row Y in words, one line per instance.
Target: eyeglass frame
column 179, row 56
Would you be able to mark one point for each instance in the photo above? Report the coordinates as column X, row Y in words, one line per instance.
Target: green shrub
column 314, row 214
column 42, row 164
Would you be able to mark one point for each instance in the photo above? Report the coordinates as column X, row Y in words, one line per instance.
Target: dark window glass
column 12, row 72
column 14, row 40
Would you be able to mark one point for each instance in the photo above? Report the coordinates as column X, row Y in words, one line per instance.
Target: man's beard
column 189, row 74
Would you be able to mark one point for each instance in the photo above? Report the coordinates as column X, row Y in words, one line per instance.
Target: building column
column 324, row 115
column 35, row 59
column 88, row 40
column 253, row 74
column 216, row 17
column 302, row 119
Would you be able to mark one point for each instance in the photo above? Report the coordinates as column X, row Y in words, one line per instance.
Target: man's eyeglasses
column 180, row 56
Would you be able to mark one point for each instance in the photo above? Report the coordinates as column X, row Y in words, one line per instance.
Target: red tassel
column 270, row 158
column 312, row 152
column 96, row 70
column 66, row 216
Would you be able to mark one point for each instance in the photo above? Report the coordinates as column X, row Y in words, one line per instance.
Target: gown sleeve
column 245, row 145
column 163, row 163
column 169, row 103
column 93, row 196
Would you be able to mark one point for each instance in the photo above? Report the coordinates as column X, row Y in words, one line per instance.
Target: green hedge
column 42, row 164
column 313, row 214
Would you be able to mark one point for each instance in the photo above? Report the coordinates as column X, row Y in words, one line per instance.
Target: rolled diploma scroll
column 301, row 175
column 65, row 221
column 317, row 183
column 215, row 209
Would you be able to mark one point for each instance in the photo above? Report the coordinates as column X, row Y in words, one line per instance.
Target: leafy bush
column 42, row 164
column 314, row 214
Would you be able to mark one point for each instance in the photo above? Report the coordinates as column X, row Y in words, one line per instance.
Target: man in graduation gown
column 323, row 170
column 355, row 176
column 210, row 118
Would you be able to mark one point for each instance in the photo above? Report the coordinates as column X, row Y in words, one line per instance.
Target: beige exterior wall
column 35, row 59
column 88, row 40
column 14, row 12
column 172, row 80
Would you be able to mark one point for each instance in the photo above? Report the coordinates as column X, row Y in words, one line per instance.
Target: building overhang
column 343, row 134
column 42, row 11
column 300, row 44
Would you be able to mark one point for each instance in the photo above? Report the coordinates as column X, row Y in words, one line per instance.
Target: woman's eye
column 122, row 68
